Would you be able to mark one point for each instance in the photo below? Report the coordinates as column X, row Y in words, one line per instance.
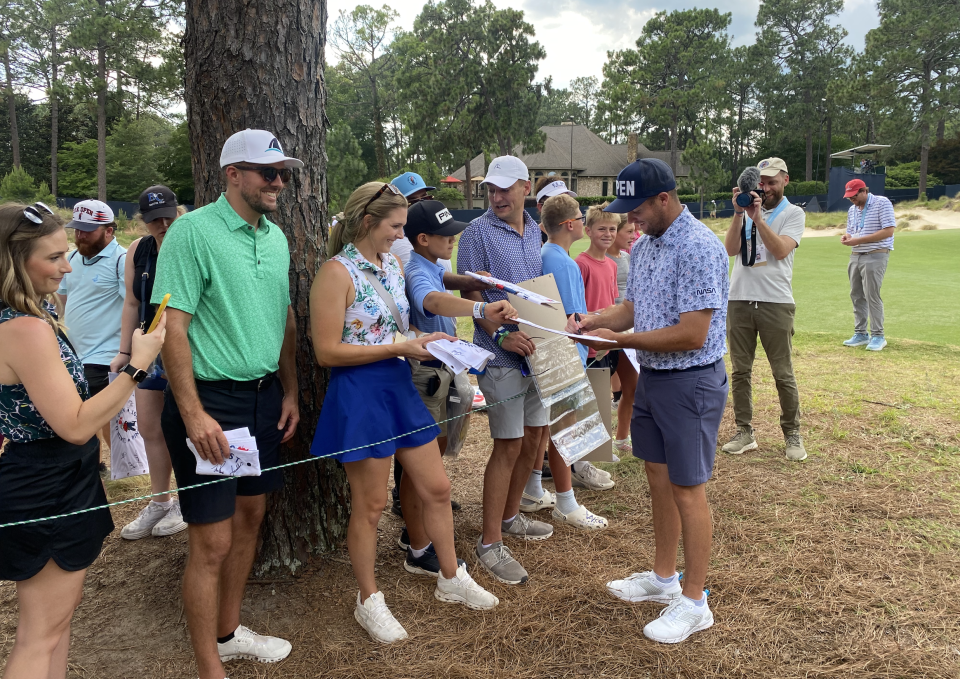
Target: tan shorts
column 437, row 403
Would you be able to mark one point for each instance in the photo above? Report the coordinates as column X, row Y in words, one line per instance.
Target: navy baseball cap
column 411, row 182
column 639, row 181
column 432, row 218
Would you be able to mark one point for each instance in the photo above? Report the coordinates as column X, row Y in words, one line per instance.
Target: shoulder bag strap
column 387, row 298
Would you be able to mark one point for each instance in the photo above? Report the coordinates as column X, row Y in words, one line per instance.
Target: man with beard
column 761, row 304
column 676, row 303
column 226, row 266
column 93, row 294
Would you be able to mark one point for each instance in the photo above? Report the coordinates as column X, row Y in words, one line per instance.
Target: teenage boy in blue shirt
column 432, row 232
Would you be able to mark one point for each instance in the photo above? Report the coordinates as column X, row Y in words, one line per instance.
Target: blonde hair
column 596, row 215
column 557, row 209
column 350, row 225
column 140, row 226
column 18, row 238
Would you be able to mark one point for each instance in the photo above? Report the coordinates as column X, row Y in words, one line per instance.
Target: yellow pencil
column 156, row 319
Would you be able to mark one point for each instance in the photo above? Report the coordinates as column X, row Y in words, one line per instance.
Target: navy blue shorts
column 676, row 418
column 258, row 411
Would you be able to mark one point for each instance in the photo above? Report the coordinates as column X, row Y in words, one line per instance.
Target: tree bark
column 54, row 109
column 941, row 128
column 674, row 152
column 809, row 150
column 468, row 184
column 828, row 161
column 256, row 65
column 378, row 127
column 12, row 110
column 102, row 114
column 924, row 131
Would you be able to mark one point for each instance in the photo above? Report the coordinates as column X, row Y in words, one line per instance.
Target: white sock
column 417, row 553
column 566, row 502
column 702, row 601
column 507, row 522
column 166, row 505
column 667, row 581
column 534, row 487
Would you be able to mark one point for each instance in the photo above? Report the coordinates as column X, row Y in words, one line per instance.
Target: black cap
column 640, row 180
column 432, row 218
column 158, row 202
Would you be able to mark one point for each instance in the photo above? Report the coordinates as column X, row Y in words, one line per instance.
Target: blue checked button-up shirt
column 685, row 269
column 877, row 214
column 424, row 277
column 490, row 244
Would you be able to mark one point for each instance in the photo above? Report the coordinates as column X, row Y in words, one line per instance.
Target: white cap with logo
column 554, row 189
column 505, row 171
column 90, row 215
column 257, row 147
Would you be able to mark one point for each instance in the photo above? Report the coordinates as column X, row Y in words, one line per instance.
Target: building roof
column 592, row 156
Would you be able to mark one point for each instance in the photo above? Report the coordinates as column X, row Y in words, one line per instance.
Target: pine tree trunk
column 54, row 109
column 260, row 65
column 12, row 110
column 102, row 114
column 828, row 160
column 674, row 151
column 924, row 131
column 468, row 184
column 809, row 165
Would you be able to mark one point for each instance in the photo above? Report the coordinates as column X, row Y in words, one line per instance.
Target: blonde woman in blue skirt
column 358, row 316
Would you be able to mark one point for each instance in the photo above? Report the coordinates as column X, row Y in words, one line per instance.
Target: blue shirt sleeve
column 569, row 281
column 701, row 277
column 418, row 287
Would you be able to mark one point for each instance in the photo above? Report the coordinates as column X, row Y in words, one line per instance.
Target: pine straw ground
column 844, row 566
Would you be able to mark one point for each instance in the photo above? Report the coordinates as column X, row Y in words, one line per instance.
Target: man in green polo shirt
column 229, row 358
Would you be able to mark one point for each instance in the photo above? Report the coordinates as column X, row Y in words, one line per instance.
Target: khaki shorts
column 437, row 403
column 507, row 420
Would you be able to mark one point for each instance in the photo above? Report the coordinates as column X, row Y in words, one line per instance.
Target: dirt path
column 942, row 219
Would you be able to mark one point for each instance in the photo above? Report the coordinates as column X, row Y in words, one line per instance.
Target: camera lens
column 744, row 200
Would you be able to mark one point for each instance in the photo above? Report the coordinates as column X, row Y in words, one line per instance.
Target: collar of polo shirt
column 235, row 221
column 676, row 229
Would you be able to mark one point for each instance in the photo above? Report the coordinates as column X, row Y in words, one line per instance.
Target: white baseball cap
column 257, row 147
column 90, row 215
column 554, row 189
column 504, row 172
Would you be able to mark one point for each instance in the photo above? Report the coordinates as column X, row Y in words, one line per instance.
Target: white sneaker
column 590, row 477
column 374, row 616
column 531, row 504
column 678, row 621
column 142, row 526
column 246, row 645
column 581, row 518
column 171, row 524
column 462, row 589
column 645, row 587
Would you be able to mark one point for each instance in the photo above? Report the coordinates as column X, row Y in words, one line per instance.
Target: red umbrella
column 450, row 180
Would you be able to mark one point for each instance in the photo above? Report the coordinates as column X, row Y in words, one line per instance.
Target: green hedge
column 805, row 188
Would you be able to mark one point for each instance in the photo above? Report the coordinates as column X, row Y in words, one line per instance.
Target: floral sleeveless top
column 19, row 419
column 368, row 320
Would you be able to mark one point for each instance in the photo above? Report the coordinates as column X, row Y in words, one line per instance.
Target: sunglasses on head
column 35, row 212
column 268, row 173
column 386, row 187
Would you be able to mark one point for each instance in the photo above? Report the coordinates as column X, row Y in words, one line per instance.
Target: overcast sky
column 577, row 33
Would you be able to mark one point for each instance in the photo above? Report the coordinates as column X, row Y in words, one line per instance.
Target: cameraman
column 761, row 303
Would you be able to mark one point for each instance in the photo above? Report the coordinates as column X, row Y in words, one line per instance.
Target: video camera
column 749, row 181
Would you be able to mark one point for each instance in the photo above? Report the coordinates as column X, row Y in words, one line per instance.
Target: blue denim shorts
column 676, row 418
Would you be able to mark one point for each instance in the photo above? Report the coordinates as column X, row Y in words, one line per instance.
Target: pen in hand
column 576, row 317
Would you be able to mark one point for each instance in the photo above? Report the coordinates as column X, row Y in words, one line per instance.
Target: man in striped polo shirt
column 870, row 225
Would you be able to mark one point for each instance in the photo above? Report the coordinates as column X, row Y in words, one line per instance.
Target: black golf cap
column 432, row 218
column 640, row 180
column 158, row 202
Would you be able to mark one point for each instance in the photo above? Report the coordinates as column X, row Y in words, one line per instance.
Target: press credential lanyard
column 748, row 233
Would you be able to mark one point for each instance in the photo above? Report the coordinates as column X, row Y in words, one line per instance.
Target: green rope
column 230, row 478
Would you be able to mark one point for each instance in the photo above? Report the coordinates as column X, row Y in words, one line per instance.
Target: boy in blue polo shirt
column 432, row 232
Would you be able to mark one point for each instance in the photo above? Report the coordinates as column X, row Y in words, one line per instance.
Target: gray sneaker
column 499, row 562
column 795, row 449
column 741, row 442
column 526, row 529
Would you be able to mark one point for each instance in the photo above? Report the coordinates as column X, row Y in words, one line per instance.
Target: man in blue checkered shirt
column 505, row 241
column 870, row 226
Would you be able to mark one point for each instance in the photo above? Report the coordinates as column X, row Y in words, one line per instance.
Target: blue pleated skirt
column 370, row 411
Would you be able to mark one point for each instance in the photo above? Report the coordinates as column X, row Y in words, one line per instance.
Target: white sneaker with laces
column 171, row 524
column 645, row 587
column 462, row 589
column 531, row 504
column 246, row 645
column 581, row 517
column 374, row 616
column 678, row 621
column 588, row 476
column 142, row 526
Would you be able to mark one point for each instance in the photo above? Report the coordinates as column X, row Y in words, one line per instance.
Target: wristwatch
column 137, row 374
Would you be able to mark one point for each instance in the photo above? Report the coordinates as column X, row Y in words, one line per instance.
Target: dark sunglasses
column 35, row 212
column 386, row 187
column 269, row 173
column 417, row 200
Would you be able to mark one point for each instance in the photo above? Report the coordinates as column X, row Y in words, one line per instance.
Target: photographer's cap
column 771, row 166
column 433, row 218
column 257, row 147
column 505, row 171
column 411, row 182
column 638, row 181
column 90, row 215
column 554, row 189
column 854, row 186
column 158, row 202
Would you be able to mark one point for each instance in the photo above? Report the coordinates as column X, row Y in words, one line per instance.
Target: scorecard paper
column 459, row 355
column 515, row 289
column 244, row 457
